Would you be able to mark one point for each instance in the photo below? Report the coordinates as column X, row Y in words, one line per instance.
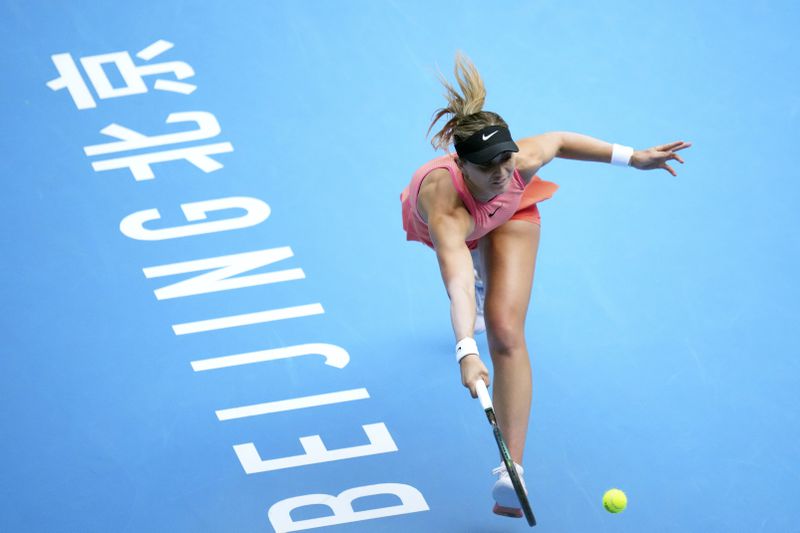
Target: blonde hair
column 465, row 108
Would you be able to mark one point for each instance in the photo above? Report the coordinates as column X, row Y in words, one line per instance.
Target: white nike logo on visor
column 486, row 137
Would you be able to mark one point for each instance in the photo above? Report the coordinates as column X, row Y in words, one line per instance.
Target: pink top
column 487, row 215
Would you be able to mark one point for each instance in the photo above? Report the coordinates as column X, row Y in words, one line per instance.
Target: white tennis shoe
column 506, row 501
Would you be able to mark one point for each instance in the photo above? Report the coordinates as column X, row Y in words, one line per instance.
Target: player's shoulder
column 532, row 149
column 530, row 158
column 437, row 180
column 437, row 194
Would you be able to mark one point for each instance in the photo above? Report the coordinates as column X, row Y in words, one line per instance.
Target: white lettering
column 226, row 266
column 411, row 500
column 257, row 212
column 380, row 441
column 335, row 356
column 293, row 404
column 139, row 165
column 207, row 127
column 248, row 319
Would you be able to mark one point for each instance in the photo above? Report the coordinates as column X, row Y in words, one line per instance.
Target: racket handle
column 483, row 394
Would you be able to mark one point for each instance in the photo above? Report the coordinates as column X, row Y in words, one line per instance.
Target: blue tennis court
column 213, row 321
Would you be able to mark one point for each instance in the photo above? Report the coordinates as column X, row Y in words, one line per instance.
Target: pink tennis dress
column 518, row 202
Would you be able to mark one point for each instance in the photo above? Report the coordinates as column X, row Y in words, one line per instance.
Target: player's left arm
column 537, row 151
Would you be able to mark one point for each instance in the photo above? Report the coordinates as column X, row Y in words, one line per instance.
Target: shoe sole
column 511, row 512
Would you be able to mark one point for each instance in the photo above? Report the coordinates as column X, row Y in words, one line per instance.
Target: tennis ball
column 615, row 501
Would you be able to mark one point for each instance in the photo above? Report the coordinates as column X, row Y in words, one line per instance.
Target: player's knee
column 506, row 334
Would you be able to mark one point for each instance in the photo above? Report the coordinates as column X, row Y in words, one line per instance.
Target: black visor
column 486, row 144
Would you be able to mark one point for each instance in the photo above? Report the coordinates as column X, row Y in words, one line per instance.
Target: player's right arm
column 450, row 223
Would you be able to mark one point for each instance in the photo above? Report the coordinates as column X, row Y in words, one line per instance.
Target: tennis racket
column 486, row 403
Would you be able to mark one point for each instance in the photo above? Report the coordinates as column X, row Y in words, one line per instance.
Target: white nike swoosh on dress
column 486, row 137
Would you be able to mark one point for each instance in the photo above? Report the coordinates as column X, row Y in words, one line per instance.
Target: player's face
column 495, row 176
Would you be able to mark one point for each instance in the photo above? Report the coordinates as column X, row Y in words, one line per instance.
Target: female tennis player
column 477, row 209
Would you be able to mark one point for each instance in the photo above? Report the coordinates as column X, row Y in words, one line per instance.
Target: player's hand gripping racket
column 486, row 403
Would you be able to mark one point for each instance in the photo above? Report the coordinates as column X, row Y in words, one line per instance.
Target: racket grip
column 483, row 394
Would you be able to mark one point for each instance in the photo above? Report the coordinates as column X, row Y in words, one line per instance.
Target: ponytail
column 466, row 108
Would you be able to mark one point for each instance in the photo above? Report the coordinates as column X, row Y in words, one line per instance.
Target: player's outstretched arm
column 450, row 224
column 455, row 263
column 568, row 145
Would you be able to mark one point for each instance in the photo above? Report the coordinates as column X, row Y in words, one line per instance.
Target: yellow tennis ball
column 615, row 501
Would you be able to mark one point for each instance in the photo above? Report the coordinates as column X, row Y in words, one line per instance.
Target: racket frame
column 486, row 403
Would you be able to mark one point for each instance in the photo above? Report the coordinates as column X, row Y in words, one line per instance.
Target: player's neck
column 476, row 192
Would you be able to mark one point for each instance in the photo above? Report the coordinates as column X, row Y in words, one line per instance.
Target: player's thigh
column 509, row 255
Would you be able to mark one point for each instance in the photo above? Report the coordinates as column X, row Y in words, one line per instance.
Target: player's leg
column 480, row 291
column 509, row 259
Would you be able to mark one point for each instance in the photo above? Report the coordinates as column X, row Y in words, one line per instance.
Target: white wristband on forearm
column 465, row 347
column 621, row 155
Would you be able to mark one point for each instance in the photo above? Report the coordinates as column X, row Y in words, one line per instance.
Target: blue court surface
column 212, row 321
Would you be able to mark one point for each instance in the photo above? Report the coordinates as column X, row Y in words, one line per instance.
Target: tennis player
column 477, row 209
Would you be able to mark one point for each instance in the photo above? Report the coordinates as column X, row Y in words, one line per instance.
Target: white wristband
column 621, row 155
column 464, row 347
